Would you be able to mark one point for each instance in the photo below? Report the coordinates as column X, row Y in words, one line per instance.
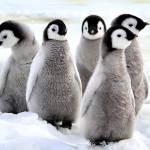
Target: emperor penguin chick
column 54, row 88
column 14, row 74
column 87, row 52
column 134, row 60
column 107, row 112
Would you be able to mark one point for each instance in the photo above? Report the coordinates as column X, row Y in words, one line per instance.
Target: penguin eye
column 100, row 28
column 119, row 35
column 85, row 28
column 53, row 30
column 5, row 36
column 130, row 25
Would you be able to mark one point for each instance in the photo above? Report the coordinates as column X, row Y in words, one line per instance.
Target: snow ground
column 25, row 131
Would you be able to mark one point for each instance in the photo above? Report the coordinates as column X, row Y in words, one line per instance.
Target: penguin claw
column 91, row 143
column 101, row 143
column 57, row 127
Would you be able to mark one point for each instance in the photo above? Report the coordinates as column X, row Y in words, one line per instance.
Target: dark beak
column 62, row 32
column 146, row 23
column 1, row 43
column 92, row 31
column 131, row 37
column 136, row 35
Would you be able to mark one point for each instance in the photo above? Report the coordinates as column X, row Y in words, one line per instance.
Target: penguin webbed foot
column 99, row 142
column 56, row 127
column 52, row 122
column 66, row 124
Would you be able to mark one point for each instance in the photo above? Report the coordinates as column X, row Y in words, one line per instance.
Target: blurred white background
column 38, row 13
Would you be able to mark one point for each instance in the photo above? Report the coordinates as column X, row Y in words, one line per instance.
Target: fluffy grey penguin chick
column 107, row 112
column 54, row 88
column 14, row 74
column 87, row 52
column 134, row 59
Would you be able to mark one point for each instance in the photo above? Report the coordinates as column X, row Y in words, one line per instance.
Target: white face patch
column 119, row 39
column 100, row 28
column 53, row 33
column 131, row 24
column 8, row 39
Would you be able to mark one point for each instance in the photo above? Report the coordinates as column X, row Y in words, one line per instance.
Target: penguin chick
column 107, row 112
column 87, row 52
column 54, row 87
column 14, row 74
column 134, row 60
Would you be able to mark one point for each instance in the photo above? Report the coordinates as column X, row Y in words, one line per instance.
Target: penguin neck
column 134, row 41
column 89, row 49
column 49, row 42
column 49, row 45
column 90, row 46
column 115, row 62
column 133, row 54
column 24, row 51
column 56, row 50
column 133, row 51
column 83, row 39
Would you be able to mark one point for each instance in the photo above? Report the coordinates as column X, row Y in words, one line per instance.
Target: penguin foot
column 67, row 125
column 52, row 122
column 99, row 142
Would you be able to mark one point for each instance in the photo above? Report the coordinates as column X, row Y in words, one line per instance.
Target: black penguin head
column 131, row 22
column 93, row 27
column 11, row 33
column 117, row 37
column 55, row 30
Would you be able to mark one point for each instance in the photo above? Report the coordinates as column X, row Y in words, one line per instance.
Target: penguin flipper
column 77, row 76
column 92, row 87
column 146, row 85
column 4, row 73
column 133, row 100
column 34, row 70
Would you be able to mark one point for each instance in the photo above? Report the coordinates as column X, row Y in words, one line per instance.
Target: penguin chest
column 57, row 80
column 90, row 58
column 113, row 101
column 18, row 76
column 88, row 52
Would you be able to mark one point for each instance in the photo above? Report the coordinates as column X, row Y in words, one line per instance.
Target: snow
column 44, row 10
column 26, row 131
